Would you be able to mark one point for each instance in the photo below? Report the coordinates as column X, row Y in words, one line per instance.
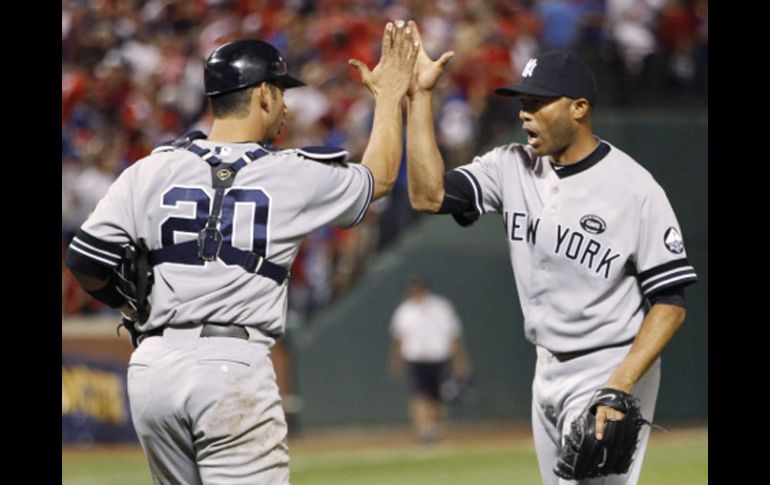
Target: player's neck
column 583, row 146
column 235, row 130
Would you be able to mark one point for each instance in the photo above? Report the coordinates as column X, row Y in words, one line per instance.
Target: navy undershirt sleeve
column 458, row 199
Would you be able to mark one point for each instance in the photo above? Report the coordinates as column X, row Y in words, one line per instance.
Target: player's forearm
column 88, row 283
column 659, row 326
column 425, row 167
column 383, row 153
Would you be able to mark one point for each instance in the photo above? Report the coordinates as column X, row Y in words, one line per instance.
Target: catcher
column 214, row 223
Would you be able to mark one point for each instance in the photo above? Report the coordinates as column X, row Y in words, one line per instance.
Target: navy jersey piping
column 592, row 159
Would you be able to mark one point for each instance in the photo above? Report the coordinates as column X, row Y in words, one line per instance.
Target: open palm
column 426, row 71
column 393, row 72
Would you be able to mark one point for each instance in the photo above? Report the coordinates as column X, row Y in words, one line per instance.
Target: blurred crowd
column 132, row 78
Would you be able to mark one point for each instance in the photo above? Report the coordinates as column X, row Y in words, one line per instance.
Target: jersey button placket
column 552, row 198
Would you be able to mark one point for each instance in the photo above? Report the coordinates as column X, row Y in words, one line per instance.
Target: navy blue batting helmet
column 244, row 63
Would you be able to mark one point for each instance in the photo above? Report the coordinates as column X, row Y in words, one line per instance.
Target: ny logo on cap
column 531, row 64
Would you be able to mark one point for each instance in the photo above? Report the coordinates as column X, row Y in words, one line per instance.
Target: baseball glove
column 134, row 280
column 583, row 456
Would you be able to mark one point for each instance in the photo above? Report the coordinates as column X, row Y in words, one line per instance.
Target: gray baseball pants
column 562, row 390
column 207, row 409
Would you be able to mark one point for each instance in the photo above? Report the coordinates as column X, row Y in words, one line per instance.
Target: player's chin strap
column 209, row 245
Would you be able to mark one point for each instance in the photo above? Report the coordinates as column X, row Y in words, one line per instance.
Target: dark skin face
column 549, row 124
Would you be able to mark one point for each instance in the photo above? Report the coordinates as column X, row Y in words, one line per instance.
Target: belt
column 565, row 356
column 209, row 329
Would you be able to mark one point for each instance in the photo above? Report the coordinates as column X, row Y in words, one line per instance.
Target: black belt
column 208, row 329
column 565, row 356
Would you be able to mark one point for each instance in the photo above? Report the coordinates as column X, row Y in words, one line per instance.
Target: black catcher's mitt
column 134, row 279
column 583, row 456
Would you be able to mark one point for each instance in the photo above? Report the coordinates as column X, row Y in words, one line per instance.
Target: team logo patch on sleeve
column 673, row 240
column 593, row 224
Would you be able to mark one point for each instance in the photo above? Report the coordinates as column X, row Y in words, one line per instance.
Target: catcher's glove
column 134, row 280
column 583, row 456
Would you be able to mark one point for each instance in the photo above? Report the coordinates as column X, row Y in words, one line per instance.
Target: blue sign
column 94, row 402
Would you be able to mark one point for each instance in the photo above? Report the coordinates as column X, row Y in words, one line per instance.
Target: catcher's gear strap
column 187, row 252
column 128, row 324
column 330, row 155
column 183, row 141
column 209, row 245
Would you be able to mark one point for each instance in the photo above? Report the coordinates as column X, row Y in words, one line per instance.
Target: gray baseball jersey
column 273, row 203
column 588, row 242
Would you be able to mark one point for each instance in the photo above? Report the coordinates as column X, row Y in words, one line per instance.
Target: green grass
column 676, row 461
column 419, row 466
column 126, row 467
column 684, row 463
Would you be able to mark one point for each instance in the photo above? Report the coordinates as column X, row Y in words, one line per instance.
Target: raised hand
column 426, row 71
column 393, row 72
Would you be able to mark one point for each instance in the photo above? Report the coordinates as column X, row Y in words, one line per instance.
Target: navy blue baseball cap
column 557, row 73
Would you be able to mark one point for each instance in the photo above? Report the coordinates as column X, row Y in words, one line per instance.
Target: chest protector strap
column 208, row 246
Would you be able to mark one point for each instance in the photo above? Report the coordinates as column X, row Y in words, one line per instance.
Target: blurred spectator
column 561, row 23
column 631, row 24
column 427, row 341
column 456, row 130
column 680, row 32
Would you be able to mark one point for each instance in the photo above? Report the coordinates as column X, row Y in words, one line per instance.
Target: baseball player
column 596, row 250
column 222, row 218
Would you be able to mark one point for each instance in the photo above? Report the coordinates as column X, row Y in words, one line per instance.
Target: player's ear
column 579, row 109
column 262, row 93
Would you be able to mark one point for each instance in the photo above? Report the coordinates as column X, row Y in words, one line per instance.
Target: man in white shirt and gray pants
column 427, row 340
